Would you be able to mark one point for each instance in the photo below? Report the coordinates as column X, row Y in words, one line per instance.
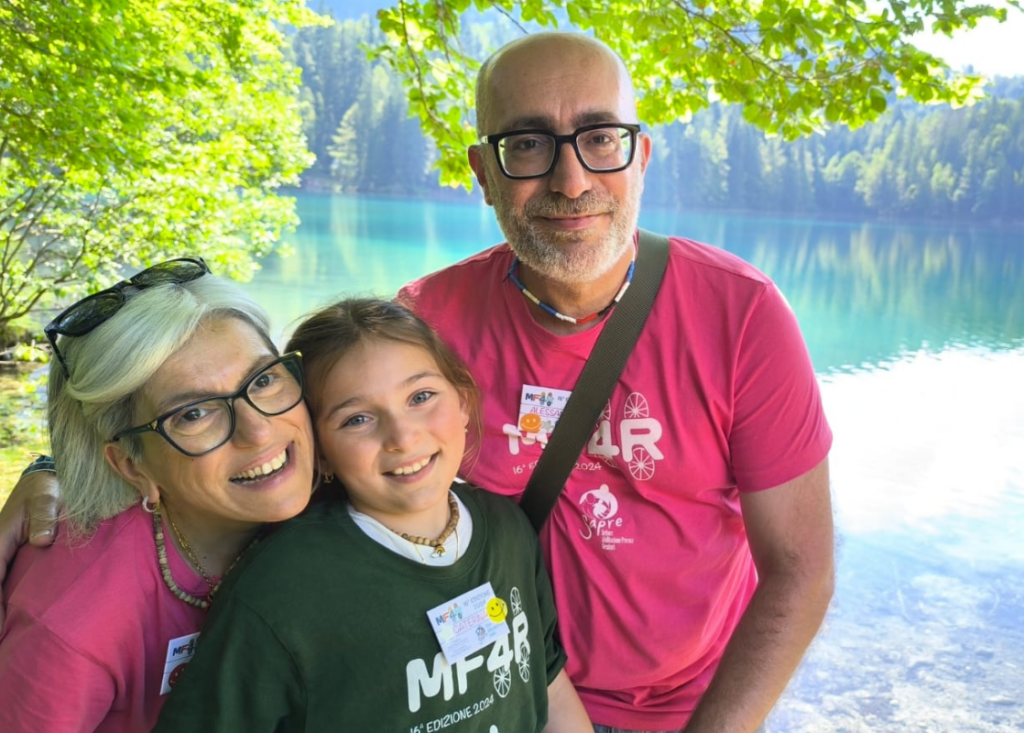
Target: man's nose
column 569, row 177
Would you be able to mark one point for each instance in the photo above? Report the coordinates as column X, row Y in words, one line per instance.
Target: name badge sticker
column 469, row 622
column 539, row 410
column 179, row 653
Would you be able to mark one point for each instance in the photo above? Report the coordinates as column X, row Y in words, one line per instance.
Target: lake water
column 917, row 334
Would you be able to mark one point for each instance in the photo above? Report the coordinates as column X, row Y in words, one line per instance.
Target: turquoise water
column 917, row 334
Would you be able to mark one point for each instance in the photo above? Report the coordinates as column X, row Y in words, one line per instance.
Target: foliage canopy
column 795, row 66
column 133, row 130
column 916, row 161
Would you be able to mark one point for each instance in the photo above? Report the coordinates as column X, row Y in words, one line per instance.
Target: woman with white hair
column 178, row 432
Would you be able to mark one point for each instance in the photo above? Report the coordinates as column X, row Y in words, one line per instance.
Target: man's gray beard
column 546, row 254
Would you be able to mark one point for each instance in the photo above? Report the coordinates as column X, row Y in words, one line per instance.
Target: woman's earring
column 149, row 508
column 328, row 478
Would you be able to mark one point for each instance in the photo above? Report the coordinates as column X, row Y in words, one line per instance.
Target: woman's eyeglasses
column 205, row 425
column 91, row 312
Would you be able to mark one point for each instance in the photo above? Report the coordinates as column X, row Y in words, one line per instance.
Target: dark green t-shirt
column 320, row 628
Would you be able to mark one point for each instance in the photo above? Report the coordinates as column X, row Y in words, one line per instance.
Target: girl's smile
column 393, row 430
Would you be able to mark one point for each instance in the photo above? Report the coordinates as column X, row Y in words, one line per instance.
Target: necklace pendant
column 438, row 551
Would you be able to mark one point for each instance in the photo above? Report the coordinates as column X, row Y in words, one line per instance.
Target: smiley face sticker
column 496, row 610
column 530, row 423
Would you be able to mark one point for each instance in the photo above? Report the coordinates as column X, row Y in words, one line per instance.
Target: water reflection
column 932, row 445
column 367, row 246
column 867, row 292
column 918, row 337
column 926, row 629
column 864, row 293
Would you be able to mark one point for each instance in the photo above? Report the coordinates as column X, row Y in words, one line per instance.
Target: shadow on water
column 917, row 334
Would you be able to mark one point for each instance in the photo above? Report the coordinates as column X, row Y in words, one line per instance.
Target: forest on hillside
column 916, row 162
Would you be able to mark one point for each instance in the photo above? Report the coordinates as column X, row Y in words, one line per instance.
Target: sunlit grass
column 21, row 425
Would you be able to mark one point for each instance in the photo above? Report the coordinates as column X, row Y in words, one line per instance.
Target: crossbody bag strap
column 595, row 383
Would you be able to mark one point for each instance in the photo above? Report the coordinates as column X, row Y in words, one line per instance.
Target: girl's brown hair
column 330, row 333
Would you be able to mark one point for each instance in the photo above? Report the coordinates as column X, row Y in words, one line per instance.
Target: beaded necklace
column 438, row 542
column 165, row 567
column 561, row 316
column 439, row 551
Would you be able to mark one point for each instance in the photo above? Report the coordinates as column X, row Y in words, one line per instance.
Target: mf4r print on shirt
column 633, row 435
column 477, row 682
column 626, row 440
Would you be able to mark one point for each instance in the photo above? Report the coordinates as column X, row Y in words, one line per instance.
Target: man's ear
column 476, row 162
column 131, row 472
column 645, row 142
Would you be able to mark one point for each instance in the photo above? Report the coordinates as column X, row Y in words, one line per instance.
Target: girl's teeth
column 414, row 468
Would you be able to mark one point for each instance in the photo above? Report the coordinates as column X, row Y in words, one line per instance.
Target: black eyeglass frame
column 140, row 280
column 560, row 140
column 292, row 362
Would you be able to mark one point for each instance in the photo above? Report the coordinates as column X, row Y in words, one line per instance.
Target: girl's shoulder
column 293, row 552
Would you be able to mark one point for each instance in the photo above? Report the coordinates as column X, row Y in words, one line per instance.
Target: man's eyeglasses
column 204, row 425
column 91, row 312
column 601, row 148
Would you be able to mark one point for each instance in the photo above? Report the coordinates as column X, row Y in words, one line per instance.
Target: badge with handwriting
column 539, row 410
column 469, row 622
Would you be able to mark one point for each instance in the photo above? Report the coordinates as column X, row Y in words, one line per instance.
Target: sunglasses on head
column 91, row 312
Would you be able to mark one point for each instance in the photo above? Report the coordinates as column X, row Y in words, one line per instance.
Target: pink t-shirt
column 646, row 546
column 93, row 638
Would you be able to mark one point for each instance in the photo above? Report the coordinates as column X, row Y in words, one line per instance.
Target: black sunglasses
column 89, row 313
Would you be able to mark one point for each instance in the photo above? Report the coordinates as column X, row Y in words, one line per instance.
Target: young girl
column 419, row 604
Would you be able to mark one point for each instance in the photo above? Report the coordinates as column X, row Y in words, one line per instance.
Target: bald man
column 692, row 549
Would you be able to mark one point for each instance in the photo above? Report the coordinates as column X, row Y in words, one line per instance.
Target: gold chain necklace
column 165, row 567
column 193, row 558
column 438, row 542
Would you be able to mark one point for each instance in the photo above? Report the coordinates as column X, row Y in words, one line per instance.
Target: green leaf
column 154, row 130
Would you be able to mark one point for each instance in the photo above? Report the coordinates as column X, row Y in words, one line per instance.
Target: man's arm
column 791, row 539
column 30, row 515
column 565, row 710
